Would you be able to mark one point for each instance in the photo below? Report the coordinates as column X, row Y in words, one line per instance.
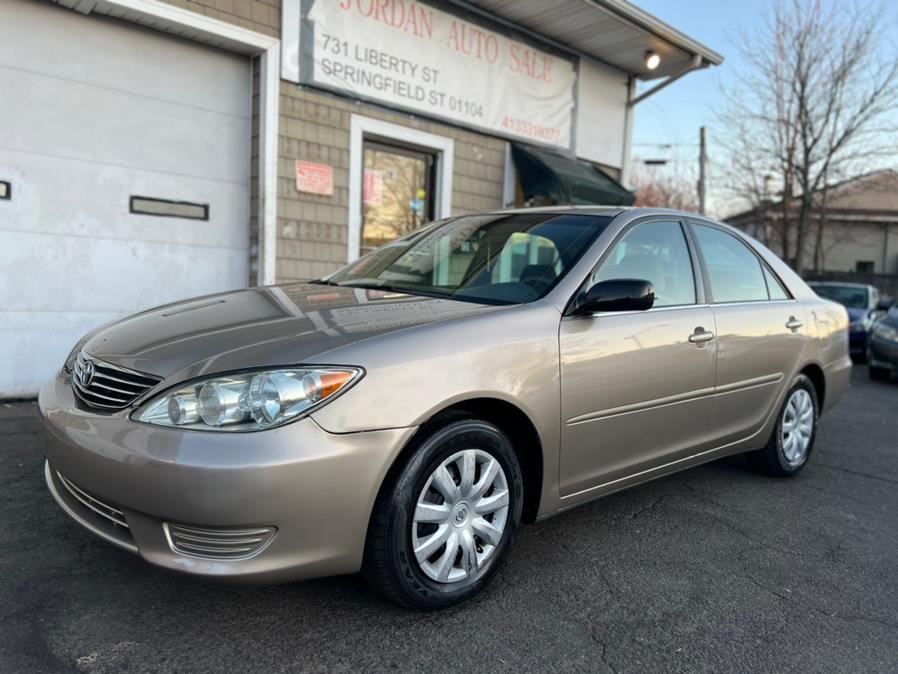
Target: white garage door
column 95, row 112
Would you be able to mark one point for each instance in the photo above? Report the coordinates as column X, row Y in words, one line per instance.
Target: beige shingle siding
column 262, row 16
column 313, row 230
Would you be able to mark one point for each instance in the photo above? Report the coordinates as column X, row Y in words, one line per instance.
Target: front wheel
column 793, row 437
column 443, row 526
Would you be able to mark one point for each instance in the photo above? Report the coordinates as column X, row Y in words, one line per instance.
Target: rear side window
column 777, row 292
column 734, row 272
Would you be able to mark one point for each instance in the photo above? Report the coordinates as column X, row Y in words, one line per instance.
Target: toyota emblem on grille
column 86, row 375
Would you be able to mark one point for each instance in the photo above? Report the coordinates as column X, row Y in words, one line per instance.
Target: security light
column 652, row 60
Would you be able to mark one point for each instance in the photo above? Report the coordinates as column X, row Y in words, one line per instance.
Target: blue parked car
column 863, row 304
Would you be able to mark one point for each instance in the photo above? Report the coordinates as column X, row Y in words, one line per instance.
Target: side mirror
column 624, row 294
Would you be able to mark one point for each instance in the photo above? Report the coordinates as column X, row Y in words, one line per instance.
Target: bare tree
column 813, row 104
column 663, row 191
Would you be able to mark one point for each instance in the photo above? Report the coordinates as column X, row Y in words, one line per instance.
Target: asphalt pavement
column 714, row 569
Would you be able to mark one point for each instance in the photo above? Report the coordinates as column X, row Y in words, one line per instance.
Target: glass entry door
column 397, row 193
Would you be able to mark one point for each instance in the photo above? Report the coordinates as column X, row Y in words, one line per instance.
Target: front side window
column 734, row 272
column 495, row 259
column 655, row 252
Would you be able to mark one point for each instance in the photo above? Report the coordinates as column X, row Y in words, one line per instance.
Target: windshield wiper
column 324, row 282
column 398, row 289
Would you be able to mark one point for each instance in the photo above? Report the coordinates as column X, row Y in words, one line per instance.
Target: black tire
column 390, row 565
column 771, row 460
column 879, row 373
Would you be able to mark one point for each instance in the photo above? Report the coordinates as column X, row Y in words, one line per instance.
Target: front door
column 397, row 194
column 636, row 387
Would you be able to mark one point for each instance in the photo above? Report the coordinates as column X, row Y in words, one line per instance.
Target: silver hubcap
column 460, row 516
column 797, row 426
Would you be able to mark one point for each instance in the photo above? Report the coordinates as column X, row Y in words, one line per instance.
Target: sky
column 675, row 114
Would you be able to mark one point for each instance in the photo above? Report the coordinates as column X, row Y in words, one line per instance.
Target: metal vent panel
column 107, row 386
column 94, row 504
column 213, row 543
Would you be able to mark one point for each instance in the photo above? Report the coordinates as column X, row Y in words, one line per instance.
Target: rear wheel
column 793, row 437
column 440, row 531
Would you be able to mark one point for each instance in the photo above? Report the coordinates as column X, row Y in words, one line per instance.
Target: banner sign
column 411, row 55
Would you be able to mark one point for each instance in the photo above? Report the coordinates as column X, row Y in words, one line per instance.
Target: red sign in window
column 372, row 190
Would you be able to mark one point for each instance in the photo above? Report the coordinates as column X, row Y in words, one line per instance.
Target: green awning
column 552, row 178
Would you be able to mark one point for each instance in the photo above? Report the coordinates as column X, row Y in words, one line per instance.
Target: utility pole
column 702, row 162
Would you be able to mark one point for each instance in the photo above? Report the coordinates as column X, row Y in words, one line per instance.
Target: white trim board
column 291, row 16
column 510, row 179
column 190, row 25
column 361, row 126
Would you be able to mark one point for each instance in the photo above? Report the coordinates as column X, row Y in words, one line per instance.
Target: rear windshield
column 491, row 259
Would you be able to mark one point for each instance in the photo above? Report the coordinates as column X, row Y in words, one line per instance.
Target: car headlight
column 249, row 401
column 886, row 332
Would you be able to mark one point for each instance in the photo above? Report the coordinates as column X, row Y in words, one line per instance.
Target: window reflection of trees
column 403, row 177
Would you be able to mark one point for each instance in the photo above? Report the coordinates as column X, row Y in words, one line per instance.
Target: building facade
column 859, row 229
column 152, row 150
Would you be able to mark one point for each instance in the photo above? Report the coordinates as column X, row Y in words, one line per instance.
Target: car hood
column 259, row 327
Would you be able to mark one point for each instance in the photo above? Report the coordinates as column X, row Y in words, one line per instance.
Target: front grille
column 218, row 543
column 96, row 505
column 108, row 386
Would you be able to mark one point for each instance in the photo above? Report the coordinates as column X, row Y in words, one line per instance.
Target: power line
column 667, row 144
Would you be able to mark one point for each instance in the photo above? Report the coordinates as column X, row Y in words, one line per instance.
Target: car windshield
column 489, row 259
column 849, row 296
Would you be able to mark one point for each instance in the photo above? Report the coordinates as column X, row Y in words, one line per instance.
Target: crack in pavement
column 794, row 602
column 651, row 506
column 856, row 472
column 603, row 653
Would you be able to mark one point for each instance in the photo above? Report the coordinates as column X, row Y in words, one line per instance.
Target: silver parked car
column 406, row 414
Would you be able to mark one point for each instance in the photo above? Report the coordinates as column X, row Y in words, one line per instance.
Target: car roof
column 598, row 210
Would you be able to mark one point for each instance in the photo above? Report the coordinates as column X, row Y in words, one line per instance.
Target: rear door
column 761, row 333
column 636, row 386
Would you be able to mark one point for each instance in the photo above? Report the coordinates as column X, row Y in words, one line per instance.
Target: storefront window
column 397, row 194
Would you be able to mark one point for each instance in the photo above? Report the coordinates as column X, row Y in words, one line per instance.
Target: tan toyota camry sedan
column 406, row 414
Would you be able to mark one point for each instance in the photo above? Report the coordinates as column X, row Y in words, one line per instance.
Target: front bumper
column 312, row 489
column 857, row 342
column 883, row 353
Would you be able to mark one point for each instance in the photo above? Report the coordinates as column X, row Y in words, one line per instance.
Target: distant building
column 861, row 227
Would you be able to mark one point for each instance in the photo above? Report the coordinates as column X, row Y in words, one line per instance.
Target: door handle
column 700, row 336
column 793, row 323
